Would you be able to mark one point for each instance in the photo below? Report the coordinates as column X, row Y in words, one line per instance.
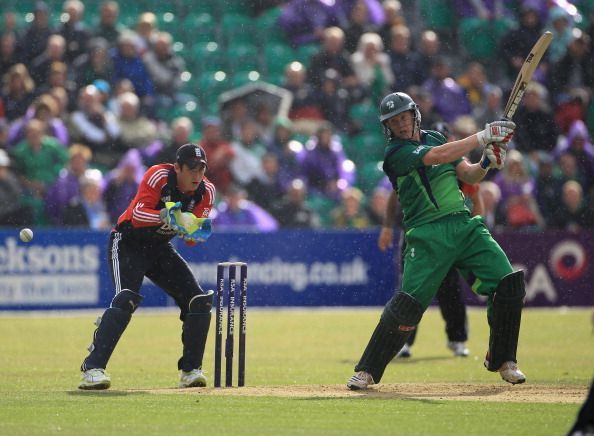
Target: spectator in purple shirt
column 67, row 186
column 121, row 184
column 449, row 98
column 238, row 213
column 324, row 164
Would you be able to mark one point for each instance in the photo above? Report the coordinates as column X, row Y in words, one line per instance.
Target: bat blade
column 525, row 74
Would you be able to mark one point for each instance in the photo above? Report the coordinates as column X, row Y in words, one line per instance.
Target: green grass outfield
column 297, row 364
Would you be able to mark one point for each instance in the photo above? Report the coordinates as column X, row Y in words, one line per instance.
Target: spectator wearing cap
column 220, row 153
column 12, row 212
column 548, row 186
column 67, row 186
column 74, row 30
column 104, row 90
column 94, row 64
column 34, row 40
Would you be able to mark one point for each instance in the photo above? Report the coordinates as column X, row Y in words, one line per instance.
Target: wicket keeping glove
column 168, row 216
column 493, row 156
column 497, row 131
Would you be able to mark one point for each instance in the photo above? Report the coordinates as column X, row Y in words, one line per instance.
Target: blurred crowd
column 85, row 108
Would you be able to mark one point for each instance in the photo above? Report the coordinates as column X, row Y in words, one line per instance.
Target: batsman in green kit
column 424, row 170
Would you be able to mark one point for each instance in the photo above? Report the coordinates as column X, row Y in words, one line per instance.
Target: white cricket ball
column 26, row 235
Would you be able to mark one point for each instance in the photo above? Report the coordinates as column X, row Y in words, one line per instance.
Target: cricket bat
column 525, row 74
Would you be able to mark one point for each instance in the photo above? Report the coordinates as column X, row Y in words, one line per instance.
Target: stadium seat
column 240, row 78
column 267, row 29
column 242, row 57
column 365, row 116
column 206, row 56
column 365, row 147
column 369, row 175
column 199, row 28
column 306, row 52
column 210, row 85
column 236, row 28
column 277, row 56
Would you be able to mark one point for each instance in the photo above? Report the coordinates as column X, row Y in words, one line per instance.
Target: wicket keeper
column 140, row 246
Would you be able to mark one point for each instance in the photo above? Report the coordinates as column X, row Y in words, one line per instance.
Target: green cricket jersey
column 426, row 192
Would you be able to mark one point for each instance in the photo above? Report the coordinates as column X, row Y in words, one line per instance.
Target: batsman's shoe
column 459, row 348
column 361, row 380
column 404, row 352
column 509, row 372
column 94, row 379
column 192, row 379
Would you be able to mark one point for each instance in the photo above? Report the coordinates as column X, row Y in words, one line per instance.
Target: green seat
column 277, row 57
column 236, row 28
column 206, row 56
column 306, row 52
column 242, row 57
column 240, row 78
column 369, row 175
column 199, row 28
column 267, row 29
column 211, row 84
column 366, row 116
column 365, row 147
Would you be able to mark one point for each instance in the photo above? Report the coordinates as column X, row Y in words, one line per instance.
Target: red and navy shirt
column 159, row 185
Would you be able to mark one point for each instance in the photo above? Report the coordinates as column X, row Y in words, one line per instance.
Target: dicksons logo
column 48, row 275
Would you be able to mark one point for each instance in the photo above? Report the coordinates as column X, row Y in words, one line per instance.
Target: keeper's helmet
column 394, row 104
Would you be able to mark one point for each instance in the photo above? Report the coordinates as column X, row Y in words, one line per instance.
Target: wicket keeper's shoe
column 459, row 348
column 94, row 379
column 509, row 372
column 404, row 352
column 192, row 379
column 361, row 380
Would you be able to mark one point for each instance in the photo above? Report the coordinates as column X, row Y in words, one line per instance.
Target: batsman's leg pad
column 507, row 304
column 110, row 328
column 398, row 320
column 195, row 331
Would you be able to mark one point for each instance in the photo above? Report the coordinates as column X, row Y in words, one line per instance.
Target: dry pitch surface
column 404, row 391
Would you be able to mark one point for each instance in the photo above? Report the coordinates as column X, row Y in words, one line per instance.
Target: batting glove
column 493, row 156
column 497, row 131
